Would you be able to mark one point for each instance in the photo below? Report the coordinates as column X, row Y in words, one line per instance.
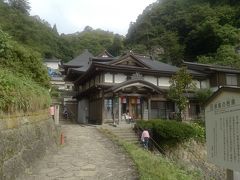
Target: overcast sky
column 73, row 15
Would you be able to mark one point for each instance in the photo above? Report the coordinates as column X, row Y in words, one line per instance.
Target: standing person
column 65, row 112
column 52, row 111
column 145, row 138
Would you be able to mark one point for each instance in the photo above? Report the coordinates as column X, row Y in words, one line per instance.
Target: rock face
column 23, row 140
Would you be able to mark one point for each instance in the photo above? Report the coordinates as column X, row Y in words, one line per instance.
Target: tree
column 21, row 5
column 117, row 45
column 180, row 84
column 55, row 29
column 202, row 95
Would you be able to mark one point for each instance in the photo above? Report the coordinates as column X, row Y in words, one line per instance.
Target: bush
column 172, row 132
column 22, row 60
column 19, row 93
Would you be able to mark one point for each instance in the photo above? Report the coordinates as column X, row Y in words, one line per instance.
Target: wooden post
column 149, row 108
column 119, row 110
column 56, row 114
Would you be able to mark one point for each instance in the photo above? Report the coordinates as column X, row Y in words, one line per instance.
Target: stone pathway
column 86, row 155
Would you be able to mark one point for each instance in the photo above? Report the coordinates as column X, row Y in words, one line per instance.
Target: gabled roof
column 220, row 90
column 130, row 60
column 105, row 54
column 160, row 66
column 157, row 65
column 208, row 68
column 81, row 60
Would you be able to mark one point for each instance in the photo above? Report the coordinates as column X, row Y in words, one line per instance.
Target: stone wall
column 194, row 156
column 24, row 138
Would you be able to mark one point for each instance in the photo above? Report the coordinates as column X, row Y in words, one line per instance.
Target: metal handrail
column 162, row 151
column 155, row 144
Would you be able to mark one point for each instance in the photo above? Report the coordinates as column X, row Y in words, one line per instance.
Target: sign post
column 222, row 114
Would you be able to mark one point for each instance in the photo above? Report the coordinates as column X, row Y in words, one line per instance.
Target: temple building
column 109, row 88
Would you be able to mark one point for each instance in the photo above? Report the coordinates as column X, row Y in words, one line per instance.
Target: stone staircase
column 125, row 133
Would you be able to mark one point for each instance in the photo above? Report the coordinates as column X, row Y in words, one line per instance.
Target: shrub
column 19, row 93
column 171, row 132
column 22, row 60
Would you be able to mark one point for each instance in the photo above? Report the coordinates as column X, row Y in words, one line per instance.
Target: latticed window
column 231, row 79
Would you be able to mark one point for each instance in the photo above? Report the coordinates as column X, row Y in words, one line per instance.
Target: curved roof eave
column 133, row 82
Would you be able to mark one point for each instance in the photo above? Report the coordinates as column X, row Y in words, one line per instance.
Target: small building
column 218, row 76
column 53, row 63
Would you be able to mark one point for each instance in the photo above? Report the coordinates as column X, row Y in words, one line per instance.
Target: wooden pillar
column 149, row 108
column 119, row 109
column 102, row 102
column 56, row 114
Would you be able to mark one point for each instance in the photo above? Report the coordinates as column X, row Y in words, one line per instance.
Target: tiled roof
column 81, row 60
column 160, row 66
column 52, row 60
column 210, row 67
column 152, row 64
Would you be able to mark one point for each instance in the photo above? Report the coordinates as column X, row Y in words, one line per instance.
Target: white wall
column 53, row 65
column 197, row 83
column 108, row 78
column 151, row 79
column 119, row 78
column 163, row 81
column 205, row 84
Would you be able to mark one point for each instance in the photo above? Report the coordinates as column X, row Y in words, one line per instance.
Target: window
column 108, row 78
column 231, row 79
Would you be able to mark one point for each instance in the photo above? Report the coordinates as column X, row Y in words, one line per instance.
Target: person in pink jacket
column 52, row 111
column 145, row 138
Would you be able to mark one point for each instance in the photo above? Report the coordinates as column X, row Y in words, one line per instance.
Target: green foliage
column 167, row 132
column 188, row 29
column 38, row 35
column 23, row 78
column 117, row 45
column 226, row 55
column 21, row 5
column 202, row 95
column 179, row 84
column 54, row 92
column 151, row 166
column 18, row 93
column 22, row 60
column 96, row 41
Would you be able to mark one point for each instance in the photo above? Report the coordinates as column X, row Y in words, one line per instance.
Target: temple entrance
column 132, row 105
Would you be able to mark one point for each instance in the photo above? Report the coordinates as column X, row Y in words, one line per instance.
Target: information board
column 222, row 116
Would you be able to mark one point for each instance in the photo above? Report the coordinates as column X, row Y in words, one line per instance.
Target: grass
column 151, row 166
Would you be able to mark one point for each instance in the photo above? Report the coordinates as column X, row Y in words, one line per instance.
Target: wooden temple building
column 109, row 87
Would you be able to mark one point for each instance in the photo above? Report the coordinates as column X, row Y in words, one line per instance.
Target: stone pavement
column 86, row 155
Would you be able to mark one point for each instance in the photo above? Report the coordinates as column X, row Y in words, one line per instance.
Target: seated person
column 128, row 117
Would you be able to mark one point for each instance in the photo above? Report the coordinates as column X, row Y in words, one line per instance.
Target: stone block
column 13, row 168
column 24, row 143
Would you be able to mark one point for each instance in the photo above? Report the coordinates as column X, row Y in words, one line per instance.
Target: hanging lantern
column 124, row 99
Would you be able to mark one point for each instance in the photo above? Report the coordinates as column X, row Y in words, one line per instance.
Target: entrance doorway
column 133, row 106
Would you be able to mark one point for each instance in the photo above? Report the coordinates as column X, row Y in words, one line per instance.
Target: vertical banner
column 138, row 100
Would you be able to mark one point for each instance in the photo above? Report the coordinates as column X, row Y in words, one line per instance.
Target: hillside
column 37, row 34
column 192, row 30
